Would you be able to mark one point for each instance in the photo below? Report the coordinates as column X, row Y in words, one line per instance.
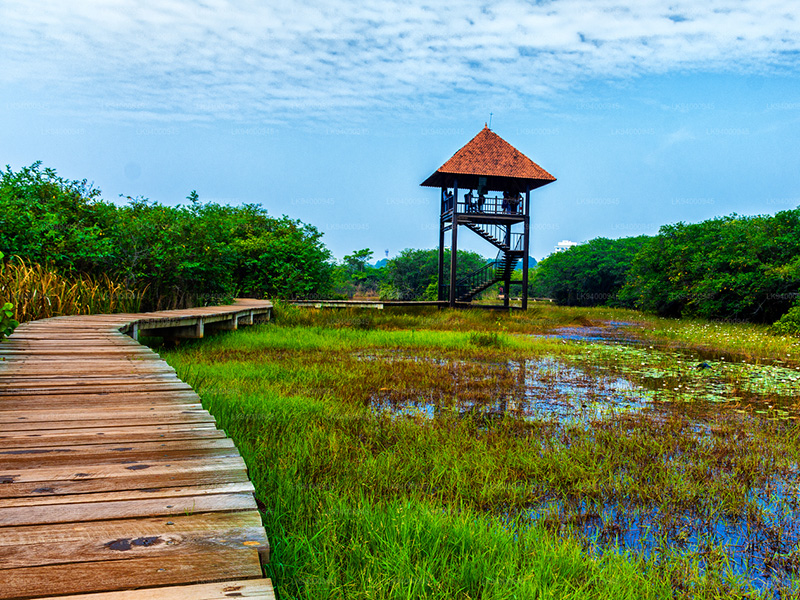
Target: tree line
column 195, row 253
column 198, row 253
column 733, row 267
column 192, row 254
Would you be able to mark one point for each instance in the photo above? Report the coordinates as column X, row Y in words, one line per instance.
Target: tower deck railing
column 490, row 205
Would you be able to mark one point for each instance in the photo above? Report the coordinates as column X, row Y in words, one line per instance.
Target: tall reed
column 39, row 292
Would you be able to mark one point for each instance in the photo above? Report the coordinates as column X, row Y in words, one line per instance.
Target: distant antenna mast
column 490, row 120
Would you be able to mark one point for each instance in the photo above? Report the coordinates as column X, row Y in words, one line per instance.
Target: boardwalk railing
column 113, row 478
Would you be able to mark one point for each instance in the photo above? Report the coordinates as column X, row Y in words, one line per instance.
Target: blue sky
column 646, row 112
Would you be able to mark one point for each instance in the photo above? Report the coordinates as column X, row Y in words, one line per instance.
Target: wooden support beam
column 527, row 246
column 440, row 278
column 454, row 246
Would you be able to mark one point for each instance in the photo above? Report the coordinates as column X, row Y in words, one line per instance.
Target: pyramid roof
column 489, row 156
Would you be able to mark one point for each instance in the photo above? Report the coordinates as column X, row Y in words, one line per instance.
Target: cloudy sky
column 646, row 112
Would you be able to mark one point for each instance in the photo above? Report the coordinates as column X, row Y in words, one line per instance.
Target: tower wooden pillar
column 527, row 243
column 440, row 276
column 453, row 246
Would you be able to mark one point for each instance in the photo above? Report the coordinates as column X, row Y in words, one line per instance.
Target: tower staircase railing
column 484, row 277
column 497, row 235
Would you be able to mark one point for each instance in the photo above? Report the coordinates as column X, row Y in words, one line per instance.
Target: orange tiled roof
column 489, row 154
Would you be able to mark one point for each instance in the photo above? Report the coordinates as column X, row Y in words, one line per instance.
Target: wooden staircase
column 509, row 254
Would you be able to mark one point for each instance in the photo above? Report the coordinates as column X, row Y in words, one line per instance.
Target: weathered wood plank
column 201, row 474
column 125, row 509
column 153, row 467
column 95, row 413
column 122, row 398
column 128, row 538
column 131, row 449
column 114, row 453
column 84, row 436
column 154, row 420
column 198, row 566
column 23, row 388
column 255, row 589
column 132, row 494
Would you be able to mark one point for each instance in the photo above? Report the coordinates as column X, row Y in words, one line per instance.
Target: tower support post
column 440, row 278
column 453, row 245
column 526, row 242
column 507, row 258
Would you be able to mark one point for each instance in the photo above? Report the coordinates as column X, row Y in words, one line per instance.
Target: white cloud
column 246, row 61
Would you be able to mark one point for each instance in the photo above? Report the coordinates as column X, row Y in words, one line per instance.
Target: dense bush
column 414, row 274
column 731, row 267
column 788, row 324
column 7, row 321
column 39, row 292
column 590, row 274
column 743, row 268
column 199, row 253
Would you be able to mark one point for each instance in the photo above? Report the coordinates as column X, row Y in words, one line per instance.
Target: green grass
column 362, row 500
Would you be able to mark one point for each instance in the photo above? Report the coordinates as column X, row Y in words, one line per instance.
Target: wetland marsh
column 550, row 454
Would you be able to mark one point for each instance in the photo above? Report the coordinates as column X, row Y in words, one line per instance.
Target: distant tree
column 589, row 274
column 358, row 261
column 355, row 276
column 730, row 267
column 414, row 273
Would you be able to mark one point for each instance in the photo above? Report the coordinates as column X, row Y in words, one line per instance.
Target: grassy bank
column 435, row 454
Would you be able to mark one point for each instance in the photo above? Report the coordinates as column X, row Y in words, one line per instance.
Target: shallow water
column 765, row 552
column 612, row 373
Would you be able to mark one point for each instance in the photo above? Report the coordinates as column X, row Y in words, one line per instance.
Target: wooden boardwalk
column 113, row 478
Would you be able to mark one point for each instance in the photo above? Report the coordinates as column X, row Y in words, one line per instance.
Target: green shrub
column 7, row 322
column 185, row 255
column 788, row 324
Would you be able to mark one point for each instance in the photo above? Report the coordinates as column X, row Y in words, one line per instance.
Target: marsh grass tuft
column 40, row 292
column 489, row 339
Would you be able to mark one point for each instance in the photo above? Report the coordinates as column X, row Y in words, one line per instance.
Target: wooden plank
column 197, row 566
column 122, row 398
column 198, row 476
column 125, row 539
column 83, row 389
column 255, row 589
column 38, row 385
column 154, row 420
column 101, row 404
column 11, row 416
column 132, row 494
column 125, row 509
column 64, row 350
column 83, row 436
column 153, row 467
column 101, row 454
column 65, row 384
column 26, row 373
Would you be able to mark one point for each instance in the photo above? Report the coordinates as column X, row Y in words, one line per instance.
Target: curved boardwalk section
column 113, row 478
